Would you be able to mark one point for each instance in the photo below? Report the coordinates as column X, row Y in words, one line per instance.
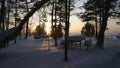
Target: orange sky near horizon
column 76, row 25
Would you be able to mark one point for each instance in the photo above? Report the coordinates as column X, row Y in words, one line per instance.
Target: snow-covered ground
column 32, row 53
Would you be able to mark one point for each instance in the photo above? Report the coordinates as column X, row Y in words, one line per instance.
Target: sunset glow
column 48, row 26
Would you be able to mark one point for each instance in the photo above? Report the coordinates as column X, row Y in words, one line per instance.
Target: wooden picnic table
column 76, row 38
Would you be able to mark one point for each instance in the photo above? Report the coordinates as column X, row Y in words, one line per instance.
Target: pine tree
column 88, row 30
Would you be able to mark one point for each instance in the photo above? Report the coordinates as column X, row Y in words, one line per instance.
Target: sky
column 113, row 27
column 76, row 23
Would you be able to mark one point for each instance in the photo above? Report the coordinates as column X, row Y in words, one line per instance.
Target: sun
column 48, row 26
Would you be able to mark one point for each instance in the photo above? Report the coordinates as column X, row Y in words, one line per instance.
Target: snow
column 43, row 54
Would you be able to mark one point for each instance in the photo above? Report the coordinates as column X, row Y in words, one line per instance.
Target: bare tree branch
column 14, row 32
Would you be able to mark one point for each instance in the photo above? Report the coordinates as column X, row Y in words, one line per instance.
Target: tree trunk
column 100, row 40
column 52, row 15
column 7, row 24
column 105, row 15
column 55, row 38
column 96, row 24
column 2, row 15
column 15, row 17
column 55, row 41
column 26, row 34
column 100, row 17
column 68, row 15
column 66, row 32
